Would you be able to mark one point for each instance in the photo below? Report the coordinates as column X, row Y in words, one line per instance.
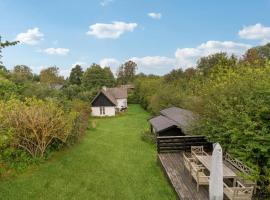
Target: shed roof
column 161, row 123
column 171, row 117
column 184, row 118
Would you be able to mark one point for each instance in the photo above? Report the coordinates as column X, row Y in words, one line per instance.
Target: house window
column 102, row 110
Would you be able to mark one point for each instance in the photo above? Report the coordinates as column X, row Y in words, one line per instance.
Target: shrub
column 83, row 111
column 148, row 137
column 34, row 124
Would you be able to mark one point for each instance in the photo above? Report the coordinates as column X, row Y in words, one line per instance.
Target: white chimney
column 104, row 88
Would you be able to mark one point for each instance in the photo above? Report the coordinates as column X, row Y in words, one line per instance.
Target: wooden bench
column 237, row 164
column 197, row 172
column 198, row 150
column 240, row 192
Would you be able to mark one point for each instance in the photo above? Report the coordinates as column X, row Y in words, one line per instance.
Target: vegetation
column 96, row 77
column 111, row 162
column 126, row 72
column 34, row 124
column 232, row 98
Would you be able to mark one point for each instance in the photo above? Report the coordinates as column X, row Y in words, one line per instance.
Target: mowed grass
column 111, row 162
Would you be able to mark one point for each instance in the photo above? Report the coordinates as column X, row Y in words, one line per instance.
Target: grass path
column 111, row 162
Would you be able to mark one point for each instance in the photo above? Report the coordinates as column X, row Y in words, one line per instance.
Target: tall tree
column 206, row 64
column 174, row 75
column 75, row 75
column 253, row 58
column 95, row 77
column 51, row 76
column 21, row 73
column 264, row 51
column 126, row 72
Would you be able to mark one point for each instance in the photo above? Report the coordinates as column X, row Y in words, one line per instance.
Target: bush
column 81, row 122
column 34, row 124
column 148, row 137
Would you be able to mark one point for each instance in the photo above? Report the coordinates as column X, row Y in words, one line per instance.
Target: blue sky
column 159, row 35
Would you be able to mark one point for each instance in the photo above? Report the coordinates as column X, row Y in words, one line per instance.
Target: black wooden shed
column 172, row 121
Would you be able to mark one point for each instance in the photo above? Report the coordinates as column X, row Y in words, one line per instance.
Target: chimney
column 104, row 88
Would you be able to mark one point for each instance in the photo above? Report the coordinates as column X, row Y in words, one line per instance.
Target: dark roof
column 161, row 123
column 106, row 94
column 109, row 96
column 117, row 92
column 184, row 118
column 112, row 94
column 171, row 117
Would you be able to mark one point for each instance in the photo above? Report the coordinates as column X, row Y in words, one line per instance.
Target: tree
column 75, row 75
column 207, row 64
column 7, row 89
column 35, row 123
column 21, row 73
column 5, row 44
column 95, row 77
column 126, row 72
column 51, row 76
column 174, row 75
column 3, row 71
column 253, row 58
column 264, row 51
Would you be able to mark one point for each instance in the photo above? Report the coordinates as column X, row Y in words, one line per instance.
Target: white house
column 109, row 101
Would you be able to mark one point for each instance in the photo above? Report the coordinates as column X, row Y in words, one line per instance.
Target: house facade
column 109, row 101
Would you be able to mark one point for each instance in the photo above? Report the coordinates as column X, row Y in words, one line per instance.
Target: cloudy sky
column 158, row 35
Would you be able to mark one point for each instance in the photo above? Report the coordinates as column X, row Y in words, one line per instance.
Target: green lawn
column 111, row 162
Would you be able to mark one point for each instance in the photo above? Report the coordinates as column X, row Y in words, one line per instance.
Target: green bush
column 148, row 137
column 81, row 122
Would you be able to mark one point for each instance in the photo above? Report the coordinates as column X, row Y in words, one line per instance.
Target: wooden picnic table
column 206, row 161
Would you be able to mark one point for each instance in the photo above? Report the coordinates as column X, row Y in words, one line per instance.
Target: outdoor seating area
column 187, row 162
column 197, row 164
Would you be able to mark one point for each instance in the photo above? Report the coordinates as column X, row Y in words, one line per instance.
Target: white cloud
column 110, row 62
column 112, row 31
column 184, row 57
column 57, row 51
column 255, row 32
column 31, row 37
column 187, row 57
column 105, row 2
column 155, row 15
column 154, row 64
column 153, row 61
column 82, row 64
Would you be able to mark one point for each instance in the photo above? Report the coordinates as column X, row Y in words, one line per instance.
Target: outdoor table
column 227, row 172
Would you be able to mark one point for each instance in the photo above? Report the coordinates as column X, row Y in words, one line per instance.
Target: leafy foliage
column 232, row 98
column 95, row 77
column 21, row 74
column 4, row 45
column 34, row 124
column 75, row 76
column 51, row 76
column 126, row 72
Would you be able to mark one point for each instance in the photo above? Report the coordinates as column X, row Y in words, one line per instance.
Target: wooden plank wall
column 166, row 144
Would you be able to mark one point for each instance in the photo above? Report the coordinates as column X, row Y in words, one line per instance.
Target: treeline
column 232, row 98
column 42, row 113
